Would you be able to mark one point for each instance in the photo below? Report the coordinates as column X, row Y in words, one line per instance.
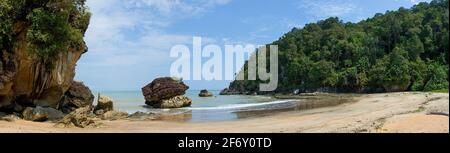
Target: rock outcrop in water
column 205, row 93
column 166, row 92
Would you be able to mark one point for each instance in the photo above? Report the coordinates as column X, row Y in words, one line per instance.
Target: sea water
column 216, row 108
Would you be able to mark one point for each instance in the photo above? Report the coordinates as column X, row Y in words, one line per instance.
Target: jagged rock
column 81, row 117
column 205, row 93
column 41, row 114
column 164, row 88
column 174, row 102
column 104, row 104
column 114, row 115
column 76, row 97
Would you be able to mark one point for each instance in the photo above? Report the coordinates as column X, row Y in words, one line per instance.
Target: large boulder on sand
column 41, row 114
column 104, row 104
column 81, row 117
column 166, row 92
column 114, row 115
column 174, row 102
column 205, row 93
column 76, row 97
column 163, row 88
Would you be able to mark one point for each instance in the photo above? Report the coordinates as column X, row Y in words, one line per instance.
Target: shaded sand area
column 386, row 112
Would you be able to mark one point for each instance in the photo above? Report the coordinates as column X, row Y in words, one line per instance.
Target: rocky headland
column 37, row 75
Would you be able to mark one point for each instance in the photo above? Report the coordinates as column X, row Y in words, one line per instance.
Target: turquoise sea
column 217, row 108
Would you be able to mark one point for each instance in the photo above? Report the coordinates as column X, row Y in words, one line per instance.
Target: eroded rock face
column 76, row 97
column 163, row 88
column 34, row 83
column 7, row 73
column 29, row 80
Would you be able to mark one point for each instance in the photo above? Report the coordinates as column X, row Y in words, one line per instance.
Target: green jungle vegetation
column 402, row 50
column 51, row 26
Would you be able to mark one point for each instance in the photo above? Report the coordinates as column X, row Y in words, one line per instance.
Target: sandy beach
column 372, row 113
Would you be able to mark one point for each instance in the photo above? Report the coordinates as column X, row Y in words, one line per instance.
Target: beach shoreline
column 410, row 112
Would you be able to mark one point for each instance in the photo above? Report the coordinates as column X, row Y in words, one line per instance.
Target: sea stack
column 205, row 93
column 166, row 92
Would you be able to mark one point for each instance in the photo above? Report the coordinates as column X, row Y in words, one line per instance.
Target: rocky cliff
column 41, row 41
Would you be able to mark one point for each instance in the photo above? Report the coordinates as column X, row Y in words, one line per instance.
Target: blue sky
column 130, row 40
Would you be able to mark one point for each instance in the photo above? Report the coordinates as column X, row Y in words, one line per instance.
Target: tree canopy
column 52, row 25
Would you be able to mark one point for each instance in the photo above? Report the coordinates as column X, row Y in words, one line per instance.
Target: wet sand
column 386, row 112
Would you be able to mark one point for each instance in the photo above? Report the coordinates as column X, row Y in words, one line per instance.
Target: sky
column 129, row 41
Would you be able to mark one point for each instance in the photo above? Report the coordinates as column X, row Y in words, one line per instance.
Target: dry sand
column 387, row 112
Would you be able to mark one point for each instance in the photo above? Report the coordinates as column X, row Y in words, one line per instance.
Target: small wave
column 262, row 97
column 238, row 106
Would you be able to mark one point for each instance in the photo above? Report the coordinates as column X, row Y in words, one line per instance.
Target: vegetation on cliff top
column 400, row 50
column 52, row 25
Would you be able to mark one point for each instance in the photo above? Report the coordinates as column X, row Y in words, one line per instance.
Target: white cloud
column 327, row 8
column 415, row 1
column 129, row 42
column 260, row 30
column 178, row 7
column 128, row 32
